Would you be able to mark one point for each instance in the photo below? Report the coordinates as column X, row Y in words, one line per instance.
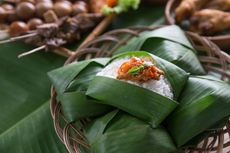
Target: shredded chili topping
column 111, row 3
column 97, row 5
column 137, row 70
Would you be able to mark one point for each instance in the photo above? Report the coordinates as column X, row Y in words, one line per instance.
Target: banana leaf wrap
column 71, row 83
column 169, row 43
column 120, row 132
column 204, row 106
column 145, row 104
column 63, row 76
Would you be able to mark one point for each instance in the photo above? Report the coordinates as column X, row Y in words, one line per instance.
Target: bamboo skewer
column 59, row 51
column 32, row 51
column 17, row 38
column 98, row 30
column 63, row 52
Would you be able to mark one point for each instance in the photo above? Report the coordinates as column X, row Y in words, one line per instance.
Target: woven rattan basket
column 211, row 57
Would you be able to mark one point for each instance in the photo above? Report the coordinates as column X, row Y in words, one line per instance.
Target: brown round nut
column 47, row 1
column 18, row 28
column 31, row 1
column 25, row 10
column 43, row 7
column 62, row 8
column 2, row 14
column 33, row 23
column 80, row 7
column 10, row 12
column 65, row 1
column 7, row 7
column 10, row 8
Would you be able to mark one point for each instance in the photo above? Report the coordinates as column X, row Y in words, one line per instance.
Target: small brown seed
column 7, row 7
column 10, row 12
column 43, row 7
column 80, row 7
column 33, row 23
column 62, row 8
column 25, row 10
column 2, row 14
column 30, row 1
column 38, row 1
column 47, row 1
column 18, row 28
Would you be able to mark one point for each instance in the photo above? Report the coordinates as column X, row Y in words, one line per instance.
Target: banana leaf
column 203, row 103
column 143, row 103
column 95, row 129
column 197, row 139
column 172, row 33
column 25, row 121
column 25, row 87
column 72, row 81
column 120, row 132
column 28, row 135
column 82, row 80
column 141, row 139
column 63, row 76
column 140, row 102
column 75, row 105
column 175, row 53
column 169, row 43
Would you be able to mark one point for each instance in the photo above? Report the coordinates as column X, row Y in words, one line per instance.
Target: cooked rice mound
column 160, row 86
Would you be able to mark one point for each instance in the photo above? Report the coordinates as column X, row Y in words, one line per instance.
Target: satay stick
column 32, row 51
column 98, row 30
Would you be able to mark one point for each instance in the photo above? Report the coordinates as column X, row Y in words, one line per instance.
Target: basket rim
column 171, row 21
column 55, row 107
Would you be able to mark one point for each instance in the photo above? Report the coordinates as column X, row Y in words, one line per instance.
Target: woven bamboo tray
column 211, row 57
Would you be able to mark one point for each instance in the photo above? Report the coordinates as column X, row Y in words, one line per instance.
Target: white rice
column 161, row 86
